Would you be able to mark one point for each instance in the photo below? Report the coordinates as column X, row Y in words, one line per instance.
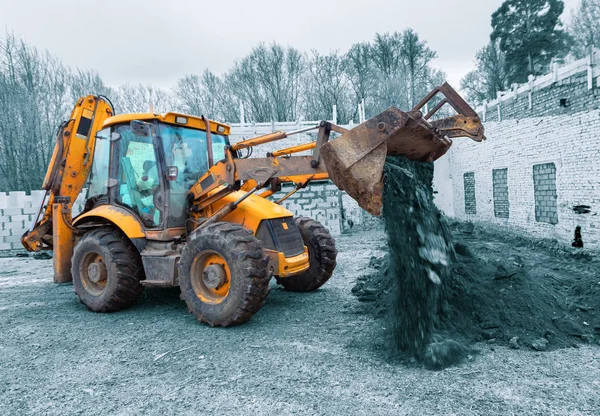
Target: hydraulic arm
column 67, row 173
column 354, row 161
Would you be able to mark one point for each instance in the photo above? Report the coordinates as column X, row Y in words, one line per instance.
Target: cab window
column 138, row 178
column 187, row 149
column 99, row 173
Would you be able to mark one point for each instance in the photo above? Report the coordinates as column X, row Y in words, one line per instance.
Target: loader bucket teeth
column 355, row 160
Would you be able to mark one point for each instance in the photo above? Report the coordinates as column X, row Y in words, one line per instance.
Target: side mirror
column 140, row 128
column 172, row 173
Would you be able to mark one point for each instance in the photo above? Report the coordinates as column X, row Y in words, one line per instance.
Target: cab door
column 137, row 172
column 186, row 150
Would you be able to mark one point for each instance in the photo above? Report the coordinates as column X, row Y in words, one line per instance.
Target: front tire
column 223, row 275
column 322, row 257
column 106, row 270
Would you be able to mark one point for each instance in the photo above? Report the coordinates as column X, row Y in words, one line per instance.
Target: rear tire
column 322, row 257
column 107, row 270
column 224, row 275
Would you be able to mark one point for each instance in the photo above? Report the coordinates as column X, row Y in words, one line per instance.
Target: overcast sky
column 158, row 41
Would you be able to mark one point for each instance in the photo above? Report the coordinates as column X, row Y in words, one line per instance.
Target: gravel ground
column 301, row 354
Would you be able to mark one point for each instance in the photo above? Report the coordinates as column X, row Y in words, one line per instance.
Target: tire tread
column 252, row 263
column 314, row 233
column 129, row 270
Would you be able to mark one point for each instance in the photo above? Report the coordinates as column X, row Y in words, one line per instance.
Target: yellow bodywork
column 61, row 261
column 125, row 220
column 249, row 214
column 288, row 266
column 170, row 118
column 67, row 173
column 252, row 211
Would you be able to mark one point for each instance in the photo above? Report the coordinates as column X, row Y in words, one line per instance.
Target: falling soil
column 439, row 293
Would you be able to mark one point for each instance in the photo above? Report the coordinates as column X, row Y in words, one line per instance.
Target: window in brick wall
column 470, row 203
column 544, row 189
column 500, row 189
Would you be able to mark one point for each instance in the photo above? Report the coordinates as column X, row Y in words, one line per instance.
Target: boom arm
column 354, row 161
column 67, row 173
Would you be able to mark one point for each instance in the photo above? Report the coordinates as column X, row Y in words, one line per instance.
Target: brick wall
column 443, row 185
column 567, row 89
column 544, row 191
column 324, row 202
column 500, row 188
column 547, row 101
column 469, row 190
column 320, row 201
column 17, row 211
column 569, row 143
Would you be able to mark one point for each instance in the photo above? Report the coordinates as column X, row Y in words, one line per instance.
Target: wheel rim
column 211, row 277
column 93, row 272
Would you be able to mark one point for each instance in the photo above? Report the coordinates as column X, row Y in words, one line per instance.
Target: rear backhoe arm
column 354, row 161
column 67, row 174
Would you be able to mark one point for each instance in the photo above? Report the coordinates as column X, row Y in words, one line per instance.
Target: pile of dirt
column 442, row 287
column 516, row 297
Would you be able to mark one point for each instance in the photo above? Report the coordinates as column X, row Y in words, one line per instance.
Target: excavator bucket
column 355, row 160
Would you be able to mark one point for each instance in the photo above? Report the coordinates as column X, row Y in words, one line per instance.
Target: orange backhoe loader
column 171, row 202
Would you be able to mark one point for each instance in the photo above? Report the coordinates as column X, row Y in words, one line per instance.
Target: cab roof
column 178, row 119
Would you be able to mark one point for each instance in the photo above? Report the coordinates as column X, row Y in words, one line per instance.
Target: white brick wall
column 571, row 142
column 320, row 201
column 17, row 211
column 443, row 186
column 323, row 202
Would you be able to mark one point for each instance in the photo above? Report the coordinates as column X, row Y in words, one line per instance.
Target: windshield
column 187, row 149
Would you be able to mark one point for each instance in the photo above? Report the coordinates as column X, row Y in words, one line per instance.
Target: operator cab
column 147, row 164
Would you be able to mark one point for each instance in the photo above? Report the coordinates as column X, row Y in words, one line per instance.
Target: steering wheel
column 157, row 199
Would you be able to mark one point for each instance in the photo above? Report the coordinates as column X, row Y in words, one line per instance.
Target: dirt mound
column 528, row 289
column 442, row 287
column 504, row 298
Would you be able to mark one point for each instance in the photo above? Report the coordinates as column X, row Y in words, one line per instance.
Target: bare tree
column 585, row 27
column 488, row 77
column 141, row 98
column 416, row 57
column 85, row 82
column 33, row 91
column 360, row 68
column 386, row 53
column 394, row 70
column 473, row 84
column 274, row 83
column 206, row 94
column 268, row 82
column 243, row 81
column 328, row 84
column 196, row 95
